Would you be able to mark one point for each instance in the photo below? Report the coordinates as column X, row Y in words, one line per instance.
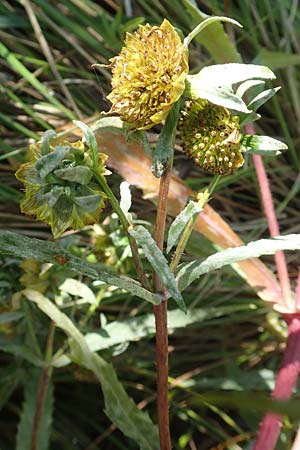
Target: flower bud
column 59, row 186
column 210, row 135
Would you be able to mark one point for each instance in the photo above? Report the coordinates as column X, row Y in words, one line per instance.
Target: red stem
column 270, row 213
column 285, row 382
column 160, row 313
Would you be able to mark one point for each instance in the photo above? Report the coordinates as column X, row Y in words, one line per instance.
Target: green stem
column 190, row 225
column 126, row 225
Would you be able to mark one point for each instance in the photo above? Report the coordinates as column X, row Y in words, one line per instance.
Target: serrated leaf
column 30, row 248
column 158, row 262
column 189, row 272
column 179, row 224
column 120, row 408
column 262, row 98
column 24, row 436
column 165, row 143
column 90, row 140
column 78, row 289
column 261, row 145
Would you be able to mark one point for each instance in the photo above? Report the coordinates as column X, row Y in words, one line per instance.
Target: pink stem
column 297, row 293
column 285, row 382
column 269, row 210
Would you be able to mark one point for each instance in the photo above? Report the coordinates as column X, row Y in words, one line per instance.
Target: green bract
column 59, row 185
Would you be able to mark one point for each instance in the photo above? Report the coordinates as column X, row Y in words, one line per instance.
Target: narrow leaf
column 180, row 223
column 201, row 26
column 158, row 262
column 191, row 271
column 78, row 289
column 24, row 247
column 125, row 194
column 262, row 98
column 164, row 148
column 119, row 407
column 254, row 144
column 90, row 140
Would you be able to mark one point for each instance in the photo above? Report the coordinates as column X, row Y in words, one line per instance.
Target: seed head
column 148, row 76
column 210, row 135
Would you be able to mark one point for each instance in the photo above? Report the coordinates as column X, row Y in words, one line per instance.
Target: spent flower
column 148, row 76
column 59, row 185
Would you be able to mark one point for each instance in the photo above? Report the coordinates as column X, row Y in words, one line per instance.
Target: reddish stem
column 285, row 382
column 270, row 213
column 160, row 313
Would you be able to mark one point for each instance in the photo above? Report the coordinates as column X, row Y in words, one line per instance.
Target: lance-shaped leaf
column 119, row 407
column 191, row 271
column 30, row 248
column 261, row 145
column 158, row 262
column 180, row 223
column 165, row 143
column 201, row 26
column 90, row 140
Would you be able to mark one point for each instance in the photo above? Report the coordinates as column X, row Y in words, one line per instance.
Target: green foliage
column 118, row 406
column 180, row 222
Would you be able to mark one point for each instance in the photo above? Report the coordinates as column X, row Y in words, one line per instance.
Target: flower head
column 59, row 186
column 210, row 135
column 148, row 75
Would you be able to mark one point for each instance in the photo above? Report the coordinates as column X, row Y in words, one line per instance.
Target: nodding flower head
column 59, row 186
column 210, row 135
column 148, row 76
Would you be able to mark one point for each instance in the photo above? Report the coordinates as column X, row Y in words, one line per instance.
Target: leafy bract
column 158, row 262
column 120, row 408
column 30, row 248
column 261, row 145
column 191, row 271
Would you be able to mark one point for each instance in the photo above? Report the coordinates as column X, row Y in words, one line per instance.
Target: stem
column 42, row 391
column 160, row 313
column 269, row 210
column 285, row 382
column 126, row 225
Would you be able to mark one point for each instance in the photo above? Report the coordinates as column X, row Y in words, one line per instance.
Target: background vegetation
column 233, row 342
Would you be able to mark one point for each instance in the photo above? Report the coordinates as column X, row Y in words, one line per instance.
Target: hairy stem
column 160, row 313
column 42, row 391
column 285, row 382
column 269, row 210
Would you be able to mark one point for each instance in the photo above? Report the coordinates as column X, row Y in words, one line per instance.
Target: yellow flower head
column 210, row 135
column 148, row 75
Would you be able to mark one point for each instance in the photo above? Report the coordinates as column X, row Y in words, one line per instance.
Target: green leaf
column 24, row 436
column 118, row 406
column 88, row 203
column 261, row 145
column 47, row 163
column 213, row 38
column 136, row 328
column 262, row 98
column 277, row 60
column 90, row 140
column 247, row 86
column 45, row 144
column 77, row 174
column 30, row 248
column 158, row 262
column 108, row 124
column 206, row 22
column 78, row 289
column 191, row 271
column 19, row 349
column 165, row 144
column 180, row 223
column 10, row 317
